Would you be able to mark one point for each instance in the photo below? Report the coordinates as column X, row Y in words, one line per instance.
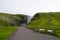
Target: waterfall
column 29, row 19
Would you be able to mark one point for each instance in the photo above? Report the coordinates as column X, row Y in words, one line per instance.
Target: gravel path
column 26, row 34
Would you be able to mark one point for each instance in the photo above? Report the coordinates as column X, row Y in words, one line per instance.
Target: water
column 23, row 24
column 27, row 20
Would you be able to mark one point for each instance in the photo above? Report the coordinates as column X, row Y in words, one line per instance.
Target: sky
column 29, row 7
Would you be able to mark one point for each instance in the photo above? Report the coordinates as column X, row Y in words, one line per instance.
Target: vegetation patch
column 5, row 31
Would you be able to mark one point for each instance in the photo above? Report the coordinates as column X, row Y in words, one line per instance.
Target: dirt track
column 26, row 34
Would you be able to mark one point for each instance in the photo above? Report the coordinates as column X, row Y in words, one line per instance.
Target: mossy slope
column 47, row 21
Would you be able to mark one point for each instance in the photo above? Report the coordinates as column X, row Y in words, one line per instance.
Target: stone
column 50, row 31
column 41, row 29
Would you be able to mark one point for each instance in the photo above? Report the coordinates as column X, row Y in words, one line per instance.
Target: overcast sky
column 29, row 7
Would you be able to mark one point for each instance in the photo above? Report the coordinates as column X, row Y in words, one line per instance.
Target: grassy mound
column 47, row 21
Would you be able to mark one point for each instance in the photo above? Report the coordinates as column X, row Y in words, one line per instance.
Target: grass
column 47, row 21
column 5, row 32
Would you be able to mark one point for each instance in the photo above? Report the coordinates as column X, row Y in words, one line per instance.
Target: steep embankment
column 11, row 20
column 47, row 21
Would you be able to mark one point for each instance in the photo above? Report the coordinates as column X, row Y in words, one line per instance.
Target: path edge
column 12, row 34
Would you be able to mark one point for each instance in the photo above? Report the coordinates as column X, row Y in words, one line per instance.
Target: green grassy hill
column 47, row 21
column 11, row 20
